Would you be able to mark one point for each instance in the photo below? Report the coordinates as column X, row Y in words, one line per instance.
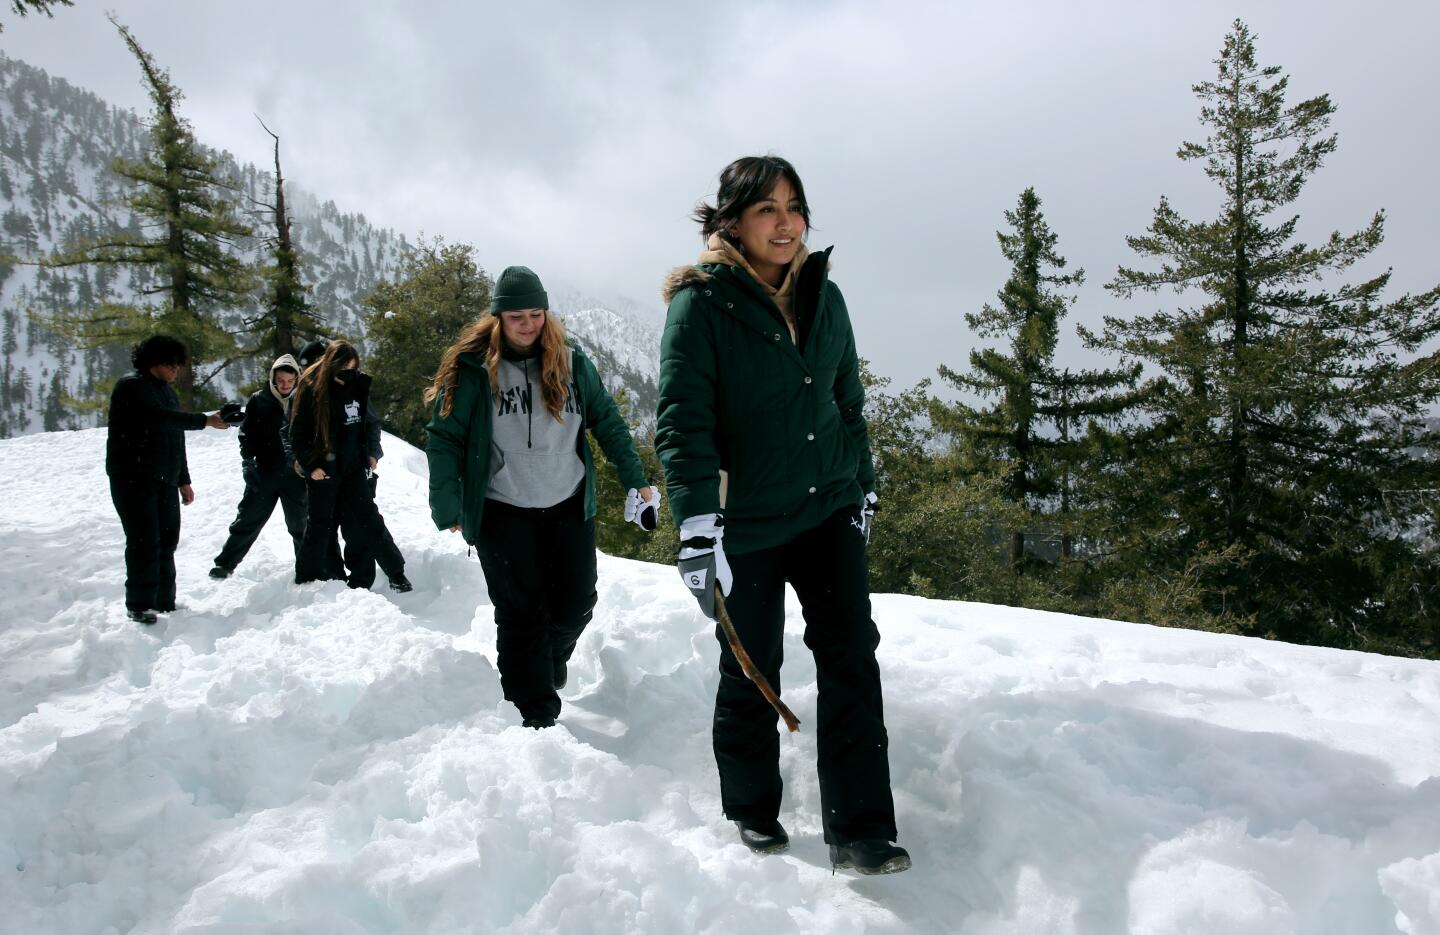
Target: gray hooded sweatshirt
column 534, row 459
column 284, row 360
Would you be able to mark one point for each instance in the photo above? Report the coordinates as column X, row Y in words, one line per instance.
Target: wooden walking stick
column 754, row 674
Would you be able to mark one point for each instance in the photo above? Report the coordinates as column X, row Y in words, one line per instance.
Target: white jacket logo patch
column 352, row 412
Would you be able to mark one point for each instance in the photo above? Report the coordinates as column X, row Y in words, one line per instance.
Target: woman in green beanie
column 762, row 433
column 510, row 470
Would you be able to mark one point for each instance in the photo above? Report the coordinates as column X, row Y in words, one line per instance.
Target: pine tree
column 934, row 534
column 288, row 315
column 52, row 410
column 1094, row 400
column 1025, row 439
column 25, row 7
column 193, row 228
column 1287, row 408
column 410, row 322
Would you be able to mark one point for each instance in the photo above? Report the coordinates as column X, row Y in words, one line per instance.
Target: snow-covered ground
column 286, row 759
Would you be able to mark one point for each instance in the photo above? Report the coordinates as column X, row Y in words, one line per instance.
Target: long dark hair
column 485, row 336
column 314, row 387
column 742, row 183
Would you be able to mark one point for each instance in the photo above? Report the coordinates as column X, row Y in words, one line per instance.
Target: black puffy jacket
column 352, row 437
column 260, row 433
column 147, row 432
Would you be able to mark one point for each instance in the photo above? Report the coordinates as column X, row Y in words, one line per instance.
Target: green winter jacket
column 458, row 445
column 785, row 422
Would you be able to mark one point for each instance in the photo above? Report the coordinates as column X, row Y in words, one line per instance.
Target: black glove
column 250, row 471
column 232, row 413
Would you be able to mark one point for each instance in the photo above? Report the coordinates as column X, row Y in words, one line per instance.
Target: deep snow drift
column 286, row 759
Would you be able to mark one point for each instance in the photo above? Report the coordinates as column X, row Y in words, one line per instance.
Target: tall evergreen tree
column 1287, row 407
column 1025, row 438
column 188, row 230
column 934, row 535
column 438, row 290
column 1092, row 400
column 288, row 315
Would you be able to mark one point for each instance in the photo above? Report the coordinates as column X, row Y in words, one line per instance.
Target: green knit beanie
column 518, row 288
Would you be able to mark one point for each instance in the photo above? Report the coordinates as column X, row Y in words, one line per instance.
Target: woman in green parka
column 761, row 430
column 510, row 470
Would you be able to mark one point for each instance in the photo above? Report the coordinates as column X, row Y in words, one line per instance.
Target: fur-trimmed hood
column 679, row 278
column 690, row 275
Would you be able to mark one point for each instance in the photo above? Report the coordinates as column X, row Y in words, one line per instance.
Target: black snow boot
column 871, row 856
column 143, row 616
column 538, row 723
column 401, row 584
column 220, row 572
column 764, row 837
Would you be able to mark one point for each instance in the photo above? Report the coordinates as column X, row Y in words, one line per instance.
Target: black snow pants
column 357, row 557
column 150, row 516
column 263, row 489
column 826, row 567
column 347, row 496
column 540, row 571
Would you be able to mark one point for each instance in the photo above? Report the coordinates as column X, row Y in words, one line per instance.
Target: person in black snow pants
column 265, row 466
column 149, row 476
column 761, row 429
column 506, row 442
column 327, row 438
column 355, row 557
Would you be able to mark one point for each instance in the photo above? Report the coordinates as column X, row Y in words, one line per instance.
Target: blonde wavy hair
column 486, row 336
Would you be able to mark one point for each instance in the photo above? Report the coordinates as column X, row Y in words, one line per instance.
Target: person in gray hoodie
column 266, row 468
column 513, row 400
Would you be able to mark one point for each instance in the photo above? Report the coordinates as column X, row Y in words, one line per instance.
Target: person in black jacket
column 356, row 557
column 268, row 478
column 328, row 439
column 149, row 476
column 358, row 561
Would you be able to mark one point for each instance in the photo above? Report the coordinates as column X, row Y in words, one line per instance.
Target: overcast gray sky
column 576, row 137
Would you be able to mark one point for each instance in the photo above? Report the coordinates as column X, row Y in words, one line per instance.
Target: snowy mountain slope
column 281, row 759
column 622, row 340
column 57, row 143
column 635, row 339
column 57, row 187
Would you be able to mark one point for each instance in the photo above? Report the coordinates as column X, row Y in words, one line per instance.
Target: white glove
column 702, row 562
column 867, row 514
column 641, row 512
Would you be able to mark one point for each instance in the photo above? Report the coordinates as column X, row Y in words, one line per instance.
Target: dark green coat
column 785, row 422
column 458, row 445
